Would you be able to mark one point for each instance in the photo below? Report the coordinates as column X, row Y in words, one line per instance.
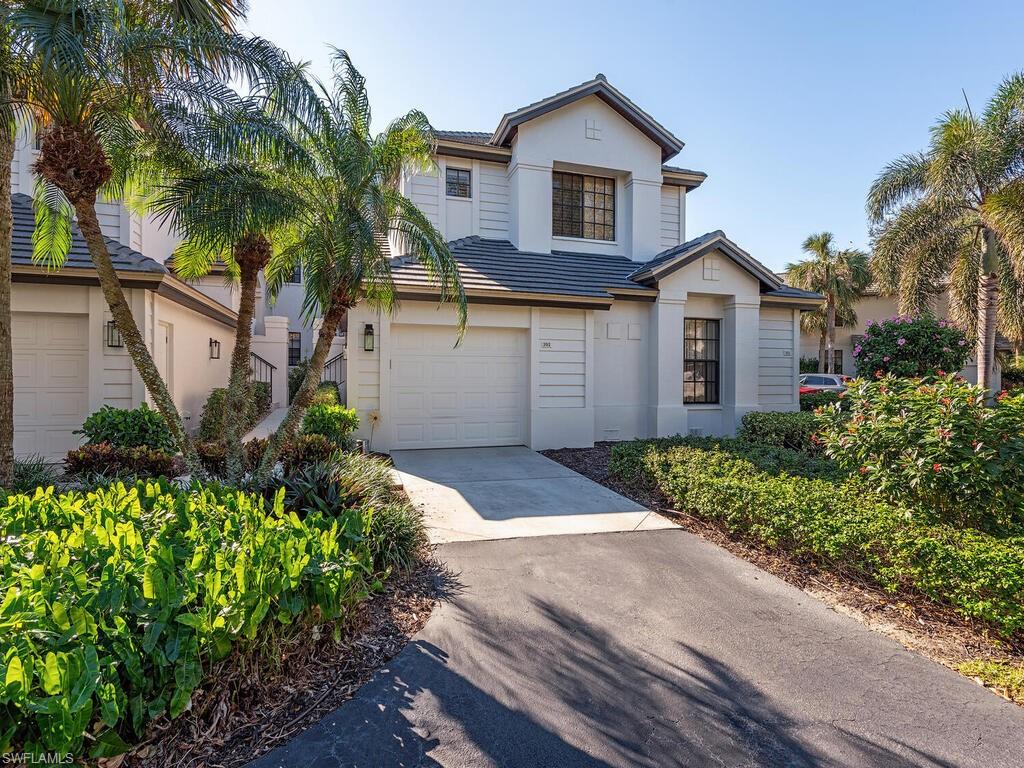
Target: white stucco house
column 591, row 315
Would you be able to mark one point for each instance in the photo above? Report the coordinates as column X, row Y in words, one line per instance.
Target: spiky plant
column 953, row 217
column 99, row 69
column 351, row 206
column 840, row 275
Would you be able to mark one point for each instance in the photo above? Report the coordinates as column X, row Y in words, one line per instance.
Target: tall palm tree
column 953, row 216
column 840, row 275
column 100, row 67
column 816, row 324
column 351, row 206
column 222, row 184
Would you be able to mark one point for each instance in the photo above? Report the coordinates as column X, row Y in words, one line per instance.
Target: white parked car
column 822, row 382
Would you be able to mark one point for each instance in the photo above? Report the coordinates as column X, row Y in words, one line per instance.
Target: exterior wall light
column 113, row 336
column 214, row 349
column 368, row 337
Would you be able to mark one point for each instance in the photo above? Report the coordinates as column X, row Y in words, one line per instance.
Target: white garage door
column 474, row 395
column 51, row 382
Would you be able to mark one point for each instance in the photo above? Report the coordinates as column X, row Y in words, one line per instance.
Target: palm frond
column 51, row 238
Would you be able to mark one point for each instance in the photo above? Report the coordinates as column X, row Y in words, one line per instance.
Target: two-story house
column 591, row 315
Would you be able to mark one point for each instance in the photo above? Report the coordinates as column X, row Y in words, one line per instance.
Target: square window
column 457, row 182
column 582, row 206
column 296, row 275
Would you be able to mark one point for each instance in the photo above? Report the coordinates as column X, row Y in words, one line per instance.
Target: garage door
column 475, row 395
column 51, row 382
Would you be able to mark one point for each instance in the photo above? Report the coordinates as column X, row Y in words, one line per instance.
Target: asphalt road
column 650, row 649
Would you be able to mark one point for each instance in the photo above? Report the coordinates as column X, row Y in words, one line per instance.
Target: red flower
column 1002, row 395
column 945, row 401
column 863, row 470
column 936, row 467
column 878, row 373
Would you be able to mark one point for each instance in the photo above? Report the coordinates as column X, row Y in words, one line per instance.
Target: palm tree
column 953, row 217
column 840, row 275
column 100, row 69
column 816, row 323
column 221, row 184
column 351, row 206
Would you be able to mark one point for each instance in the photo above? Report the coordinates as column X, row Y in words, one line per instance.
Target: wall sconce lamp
column 368, row 337
column 113, row 336
column 214, row 349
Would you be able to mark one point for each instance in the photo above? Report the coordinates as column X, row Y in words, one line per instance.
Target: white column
column 740, row 360
column 667, row 415
column 643, row 233
column 530, row 188
column 272, row 346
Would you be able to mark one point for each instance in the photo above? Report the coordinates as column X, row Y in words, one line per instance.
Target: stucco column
column 667, row 415
column 530, row 198
column 643, row 230
column 272, row 346
column 740, row 362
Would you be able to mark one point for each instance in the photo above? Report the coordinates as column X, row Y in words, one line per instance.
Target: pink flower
column 869, row 323
column 961, row 343
column 886, row 359
column 901, row 341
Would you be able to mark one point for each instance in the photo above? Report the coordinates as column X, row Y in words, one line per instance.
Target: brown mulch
column 291, row 680
column 919, row 624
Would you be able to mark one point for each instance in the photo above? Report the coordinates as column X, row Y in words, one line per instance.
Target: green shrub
column 934, row 443
column 213, row 455
column 793, row 429
column 396, row 537
column 296, row 375
column 112, row 461
column 844, row 524
column 33, row 472
column 911, row 346
column 812, row 401
column 124, row 428
column 1013, row 377
column 808, row 365
column 257, row 400
column 317, row 487
column 117, row 602
column 297, row 453
column 335, row 422
column 326, row 394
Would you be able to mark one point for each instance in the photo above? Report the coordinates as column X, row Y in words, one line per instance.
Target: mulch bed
column 290, row 681
column 931, row 629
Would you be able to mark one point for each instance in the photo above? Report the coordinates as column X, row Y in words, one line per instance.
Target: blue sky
column 790, row 108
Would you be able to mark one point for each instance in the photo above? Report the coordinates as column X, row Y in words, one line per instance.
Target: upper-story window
column 296, row 275
column 582, row 206
column 456, row 182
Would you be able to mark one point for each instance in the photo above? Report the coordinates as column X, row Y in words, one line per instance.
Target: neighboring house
column 876, row 306
column 68, row 357
column 591, row 316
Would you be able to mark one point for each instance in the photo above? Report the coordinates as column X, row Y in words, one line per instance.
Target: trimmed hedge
column 128, row 428
column 334, row 422
column 781, row 429
column 116, row 602
column 837, row 520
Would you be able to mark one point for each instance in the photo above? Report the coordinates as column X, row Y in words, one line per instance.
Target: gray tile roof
column 678, row 169
column 496, row 265
column 469, row 137
column 674, row 251
column 125, row 259
column 789, row 292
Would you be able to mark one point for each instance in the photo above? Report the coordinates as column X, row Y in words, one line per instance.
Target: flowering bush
column 934, row 443
column 911, row 346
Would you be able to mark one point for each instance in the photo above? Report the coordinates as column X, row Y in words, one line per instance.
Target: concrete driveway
column 650, row 649
column 473, row 494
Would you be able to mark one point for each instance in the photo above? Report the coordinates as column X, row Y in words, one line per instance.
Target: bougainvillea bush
column 935, row 443
column 911, row 346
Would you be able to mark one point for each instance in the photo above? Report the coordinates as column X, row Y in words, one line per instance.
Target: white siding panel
column 494, row 196
column 425, row 191
column 775, row 382
column 562, row 359
column 670, row 232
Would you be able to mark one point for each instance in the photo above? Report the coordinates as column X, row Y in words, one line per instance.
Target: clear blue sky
column 790, row 108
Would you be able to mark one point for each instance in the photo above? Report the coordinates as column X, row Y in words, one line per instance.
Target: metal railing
column 334, row 370
column 262, row 371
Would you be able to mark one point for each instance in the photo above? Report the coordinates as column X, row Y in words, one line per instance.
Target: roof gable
column 602, row 89
column 677, row 257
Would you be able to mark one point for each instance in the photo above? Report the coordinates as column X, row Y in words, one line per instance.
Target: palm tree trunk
column 304, row 396
column 830, row 341
column 6, row 351
column 133, row 341
column 987, row 289
column 238, row 389
column 821, row 352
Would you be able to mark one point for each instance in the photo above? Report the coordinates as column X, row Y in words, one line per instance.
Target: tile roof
column 125, row 259
column 676, row 250
column 469, row 137
column 497, row 265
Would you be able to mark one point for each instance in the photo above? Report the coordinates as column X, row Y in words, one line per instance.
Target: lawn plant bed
column 254, row 705
column 921, row 624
